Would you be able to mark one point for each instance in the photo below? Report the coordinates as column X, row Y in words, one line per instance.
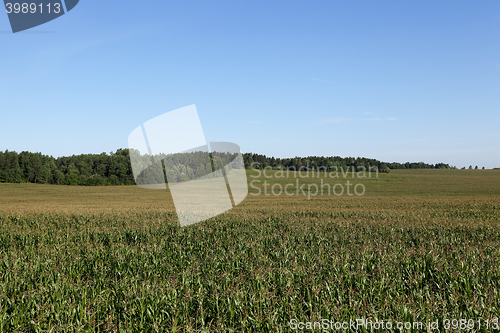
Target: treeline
column 181, row 167
column 108, row 169
column 312, row 162
column 419, row 165
column 116, row 169
column 333, row 162
column 87, row 169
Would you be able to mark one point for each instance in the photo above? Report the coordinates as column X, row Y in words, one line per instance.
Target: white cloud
column 343, row 120
column 321, row 80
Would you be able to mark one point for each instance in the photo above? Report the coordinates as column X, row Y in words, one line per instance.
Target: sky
column 392, row 80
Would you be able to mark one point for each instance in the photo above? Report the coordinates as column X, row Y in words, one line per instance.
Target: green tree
column 384, row 168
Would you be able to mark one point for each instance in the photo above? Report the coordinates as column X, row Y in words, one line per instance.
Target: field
column 418, row 246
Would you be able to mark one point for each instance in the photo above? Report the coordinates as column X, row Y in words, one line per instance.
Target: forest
column 306, row 163
column 115, row 168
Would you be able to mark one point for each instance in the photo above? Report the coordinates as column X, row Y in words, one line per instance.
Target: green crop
column 89, row 267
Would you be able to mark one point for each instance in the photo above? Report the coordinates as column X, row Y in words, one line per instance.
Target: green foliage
column 420, row 245
column 257, row 161
column 328, row 163
column 89, row 169
column 180, row 167
column 384, row 168
column 142, row 273
column 115, row 168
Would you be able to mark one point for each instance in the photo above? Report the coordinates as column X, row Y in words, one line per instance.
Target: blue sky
column 391, row 80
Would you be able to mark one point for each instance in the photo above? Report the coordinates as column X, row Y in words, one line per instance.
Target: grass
column 420, row 245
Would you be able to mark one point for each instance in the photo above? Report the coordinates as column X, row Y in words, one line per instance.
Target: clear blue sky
column 391, row 80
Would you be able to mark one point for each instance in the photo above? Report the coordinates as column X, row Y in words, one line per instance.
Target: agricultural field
column 417, row 246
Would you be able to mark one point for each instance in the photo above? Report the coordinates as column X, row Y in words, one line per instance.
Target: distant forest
column 115, row 168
